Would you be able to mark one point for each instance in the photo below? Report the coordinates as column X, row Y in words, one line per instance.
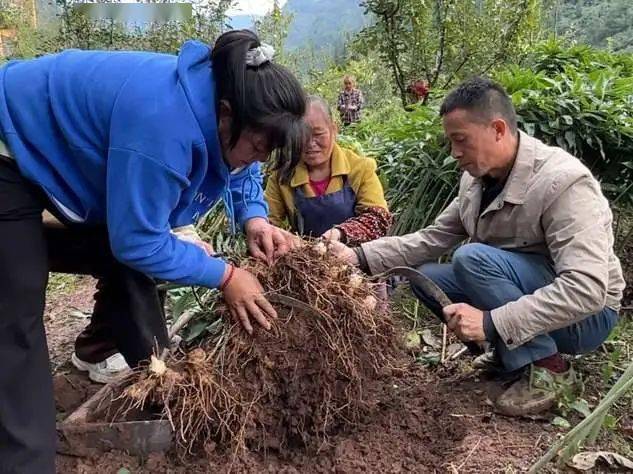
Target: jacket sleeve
column 141, row 194
column 361, row 100
column 419, row 247
column 577, row 228
column 372, row 218
column 277, row 210
column 248, row 195
column 369, row 192
column 340, row 103
column 369, row 223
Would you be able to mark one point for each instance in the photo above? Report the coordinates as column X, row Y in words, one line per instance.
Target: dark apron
column 315, row 215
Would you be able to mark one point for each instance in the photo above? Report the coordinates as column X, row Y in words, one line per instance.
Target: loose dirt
column 420, row 425
column 421, row 421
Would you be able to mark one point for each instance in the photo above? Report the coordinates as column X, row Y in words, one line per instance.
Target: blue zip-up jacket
column 128, row 139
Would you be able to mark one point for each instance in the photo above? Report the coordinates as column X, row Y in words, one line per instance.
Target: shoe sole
column 92, row 375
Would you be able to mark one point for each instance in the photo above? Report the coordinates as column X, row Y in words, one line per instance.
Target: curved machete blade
column 420, row 280
column 431, row 289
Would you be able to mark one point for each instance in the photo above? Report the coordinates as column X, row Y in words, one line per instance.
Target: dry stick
column 470, row 453
column 444, row 337
column 458, row 353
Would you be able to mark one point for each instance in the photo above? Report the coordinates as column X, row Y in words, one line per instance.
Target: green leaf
column 561, row 422
column 412, row 340
column 610, row 422
column 432, row 358
column 194, row 329
column 581, row 406
column 123, row 470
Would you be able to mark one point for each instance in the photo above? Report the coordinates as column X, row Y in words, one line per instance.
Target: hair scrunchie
column 262, row 54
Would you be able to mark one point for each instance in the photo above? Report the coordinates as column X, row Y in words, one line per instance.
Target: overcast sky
column 253, row 7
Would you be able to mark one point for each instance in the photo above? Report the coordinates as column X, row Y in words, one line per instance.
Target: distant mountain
column 601, row 23
column 325, row 24
column 239, row 22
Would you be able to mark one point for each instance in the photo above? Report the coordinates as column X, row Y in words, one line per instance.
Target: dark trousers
column 131, row 311
column 128, row 313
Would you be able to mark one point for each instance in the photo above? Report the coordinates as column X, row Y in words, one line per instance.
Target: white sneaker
column 102, row 372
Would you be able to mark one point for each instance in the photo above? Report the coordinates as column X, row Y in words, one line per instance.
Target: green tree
column 600, row 23
column 73, row 29
column 273, row 29
column 441, row 41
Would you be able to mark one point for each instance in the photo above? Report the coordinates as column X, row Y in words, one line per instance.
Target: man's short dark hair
column 483, row 98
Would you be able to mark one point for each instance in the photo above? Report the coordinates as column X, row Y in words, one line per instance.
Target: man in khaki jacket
column 538, row 276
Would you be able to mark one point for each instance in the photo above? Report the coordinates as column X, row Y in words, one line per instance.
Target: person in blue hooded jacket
column 123, row 147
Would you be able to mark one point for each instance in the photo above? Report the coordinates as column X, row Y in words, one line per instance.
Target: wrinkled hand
column 267, row 242
column 343, row 252
column 333, row 234
column 244, row 296
column 465, row 321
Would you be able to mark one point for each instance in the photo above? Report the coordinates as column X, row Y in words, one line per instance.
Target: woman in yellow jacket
column 332, row 191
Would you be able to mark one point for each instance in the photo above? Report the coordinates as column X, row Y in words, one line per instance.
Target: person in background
column 332, row 192
column 123, row 147
column 538, row 276
column 350, row 101
column 419, row 91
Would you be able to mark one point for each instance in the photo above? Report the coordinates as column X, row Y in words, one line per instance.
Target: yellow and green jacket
column 372, row 219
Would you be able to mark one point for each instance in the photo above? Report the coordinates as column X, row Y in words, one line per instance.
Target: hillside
column 324, row 24
column 600, row 23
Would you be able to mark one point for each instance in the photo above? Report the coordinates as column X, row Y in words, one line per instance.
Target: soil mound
column 288, row 388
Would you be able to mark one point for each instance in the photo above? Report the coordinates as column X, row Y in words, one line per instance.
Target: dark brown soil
column 72, row 388
column 68, row 306
column 420, row 426
column 421, row 421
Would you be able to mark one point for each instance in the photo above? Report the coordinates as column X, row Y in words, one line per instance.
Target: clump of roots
column 288, row 387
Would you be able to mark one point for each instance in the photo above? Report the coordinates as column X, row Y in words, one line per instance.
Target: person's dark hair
column 484, row 98
column 265, row 98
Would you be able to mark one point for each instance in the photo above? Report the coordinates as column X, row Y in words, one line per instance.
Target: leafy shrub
column 417, row 172
column 73, row 29
column 577, row 98
column 580, row 99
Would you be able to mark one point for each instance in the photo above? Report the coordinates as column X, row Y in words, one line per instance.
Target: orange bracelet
column 228, row 278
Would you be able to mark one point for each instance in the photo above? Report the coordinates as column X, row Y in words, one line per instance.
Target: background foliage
column 575, row 97
column 600, row 23
column 442, row 41
column 72, row 29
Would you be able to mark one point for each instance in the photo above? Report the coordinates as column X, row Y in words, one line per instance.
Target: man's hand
column 332, row 235
column 465, row 321
column 343, row 252
column 245, row 299
column 267, row 242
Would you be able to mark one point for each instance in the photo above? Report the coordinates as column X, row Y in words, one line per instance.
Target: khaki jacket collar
column 516, row 186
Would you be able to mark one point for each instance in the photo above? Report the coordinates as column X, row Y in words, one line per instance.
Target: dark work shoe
column 537, row 391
